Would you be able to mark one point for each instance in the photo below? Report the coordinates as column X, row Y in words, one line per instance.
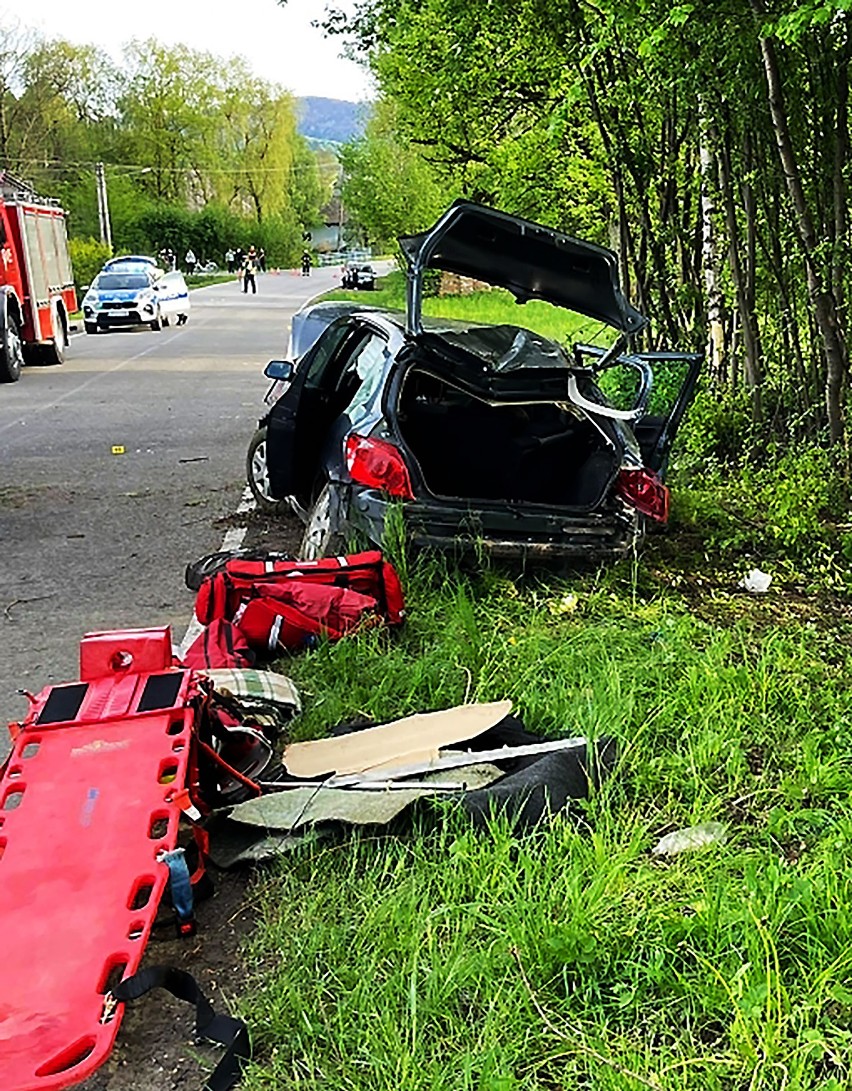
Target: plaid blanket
column 264, row 696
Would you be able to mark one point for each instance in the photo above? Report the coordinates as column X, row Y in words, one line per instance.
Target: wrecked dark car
column 486, row 437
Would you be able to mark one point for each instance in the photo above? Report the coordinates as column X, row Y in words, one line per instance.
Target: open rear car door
column 666, row 386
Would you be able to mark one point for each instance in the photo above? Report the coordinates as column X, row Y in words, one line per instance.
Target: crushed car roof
column 529, row 260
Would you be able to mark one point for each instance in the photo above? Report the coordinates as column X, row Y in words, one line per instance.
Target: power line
column 58, row 164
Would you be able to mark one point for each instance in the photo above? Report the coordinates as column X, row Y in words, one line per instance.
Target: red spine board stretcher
column 88, row 799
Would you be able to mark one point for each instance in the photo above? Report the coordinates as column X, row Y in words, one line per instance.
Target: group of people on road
column 246, row 264
column 235, row 259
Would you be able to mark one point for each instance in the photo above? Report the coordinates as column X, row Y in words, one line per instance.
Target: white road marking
column 233, row 539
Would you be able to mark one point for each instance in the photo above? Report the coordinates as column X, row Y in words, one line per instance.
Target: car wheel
column 257, row 475
column 323, row 537
column 11, row 352
column 90, row 327
column 157, row 324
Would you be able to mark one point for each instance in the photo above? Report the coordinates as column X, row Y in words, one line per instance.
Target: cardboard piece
column 396, row 743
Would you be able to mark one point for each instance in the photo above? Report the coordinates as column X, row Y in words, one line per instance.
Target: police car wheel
column 90, row 327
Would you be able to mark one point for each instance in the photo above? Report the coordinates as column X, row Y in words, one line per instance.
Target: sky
column 278, row 42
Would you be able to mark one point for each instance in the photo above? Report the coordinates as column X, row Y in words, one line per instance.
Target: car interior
column 531, row 452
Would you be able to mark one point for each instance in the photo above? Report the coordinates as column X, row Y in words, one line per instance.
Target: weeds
column 570, row 957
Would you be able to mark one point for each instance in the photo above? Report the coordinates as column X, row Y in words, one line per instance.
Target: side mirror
column 279, row 369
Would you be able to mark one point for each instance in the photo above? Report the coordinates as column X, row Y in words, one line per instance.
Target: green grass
column 443, row 959
column 202, row 280
column 571, row 958
column 494, row 306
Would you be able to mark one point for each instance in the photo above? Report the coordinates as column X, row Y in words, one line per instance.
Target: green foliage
column 87, row 259
column 389, row 189
column 198, row 151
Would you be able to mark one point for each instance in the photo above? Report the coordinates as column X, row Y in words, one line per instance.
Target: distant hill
column 331, row 120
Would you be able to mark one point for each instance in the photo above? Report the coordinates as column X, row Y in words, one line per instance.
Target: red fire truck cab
column 36, row 283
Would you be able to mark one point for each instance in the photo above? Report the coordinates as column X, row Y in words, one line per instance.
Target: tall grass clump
column 571, row 957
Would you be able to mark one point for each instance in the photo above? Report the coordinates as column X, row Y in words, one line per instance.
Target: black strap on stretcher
column 222, row 1029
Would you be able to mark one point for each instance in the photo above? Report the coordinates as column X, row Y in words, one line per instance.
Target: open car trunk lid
column 529, row 260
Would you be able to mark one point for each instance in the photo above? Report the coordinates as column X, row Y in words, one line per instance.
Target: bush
column 87, row 258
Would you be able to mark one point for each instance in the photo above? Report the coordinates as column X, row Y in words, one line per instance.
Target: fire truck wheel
column 11, row 354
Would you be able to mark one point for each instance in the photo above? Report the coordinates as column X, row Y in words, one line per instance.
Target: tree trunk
column 824, row 306
column 752, row 368
column 709, row 258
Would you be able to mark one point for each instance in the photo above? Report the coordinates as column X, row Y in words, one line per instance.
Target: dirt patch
column 155, row 1050
column 276, row 533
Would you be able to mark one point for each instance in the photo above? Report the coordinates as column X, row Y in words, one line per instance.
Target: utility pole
column 103, row 205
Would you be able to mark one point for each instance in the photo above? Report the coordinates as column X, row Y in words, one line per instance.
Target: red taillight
column 379, row 465
column 644, row 490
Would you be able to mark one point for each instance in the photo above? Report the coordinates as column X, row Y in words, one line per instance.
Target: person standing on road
column 306, row 264
column 250, row 271
column 229, row 259
column 261, row 260
column 191, row 261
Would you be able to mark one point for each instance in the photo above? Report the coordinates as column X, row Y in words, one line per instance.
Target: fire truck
column 36, row 283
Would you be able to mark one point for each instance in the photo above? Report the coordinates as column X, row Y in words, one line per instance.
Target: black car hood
column 531, row 261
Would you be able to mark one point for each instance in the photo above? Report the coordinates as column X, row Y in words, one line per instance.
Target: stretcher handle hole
column 179, row 746
column 121, row 660
column 113, row 972
column 31, row 749
column 159, row 825
column 13, row 798
column 141, row 893
column 69, row 1058
column 168, row 771
column 175, row 727
column 16, row 772
column 136, row 930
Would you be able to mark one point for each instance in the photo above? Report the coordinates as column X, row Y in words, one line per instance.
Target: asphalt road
column 95, row 540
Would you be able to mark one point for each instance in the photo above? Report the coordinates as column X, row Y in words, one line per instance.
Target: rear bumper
column 501, row 531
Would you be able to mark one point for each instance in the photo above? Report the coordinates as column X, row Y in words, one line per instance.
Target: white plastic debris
column 756, row 582
column 693, row 837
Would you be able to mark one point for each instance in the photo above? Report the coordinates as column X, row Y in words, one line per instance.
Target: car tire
column 90, row 327
column 257, row 475
column 11, row 352
column 156, row 325
column 323, row 536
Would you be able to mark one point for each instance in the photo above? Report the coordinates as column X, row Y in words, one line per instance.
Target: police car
column 132, row 291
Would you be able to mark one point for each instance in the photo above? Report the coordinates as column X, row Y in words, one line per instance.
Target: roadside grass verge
column 493, row 306
column 203, row 280
column 571, row 957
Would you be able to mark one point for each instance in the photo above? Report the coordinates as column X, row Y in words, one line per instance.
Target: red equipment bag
column 221, row 644
column 331, row 597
